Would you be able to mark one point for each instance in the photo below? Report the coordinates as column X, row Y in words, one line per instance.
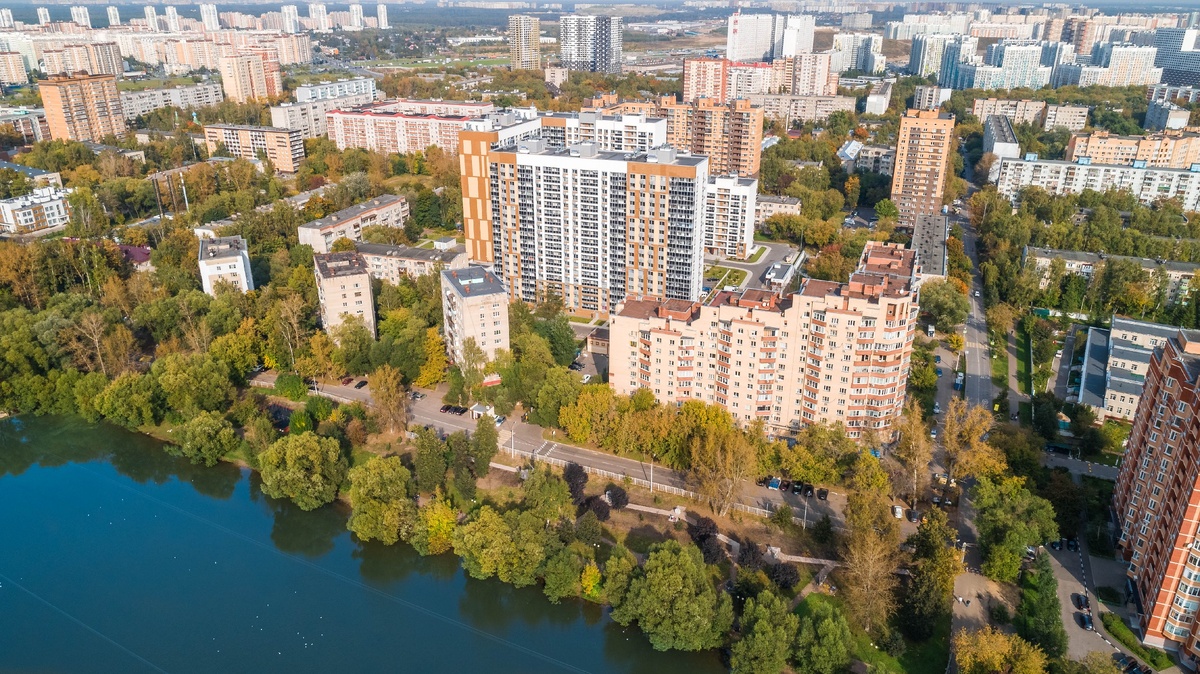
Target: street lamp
column 652, row 458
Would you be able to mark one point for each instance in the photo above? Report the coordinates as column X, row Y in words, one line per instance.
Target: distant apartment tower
column 356, row 17
column 83, row 107
column 385, row 210
column 80, row 16
column 319, row 16
column 859, row 51
column 310, row 118
column 828, row 353
column 172, row 19
column 12, row 69
column 813, row 75
column 591, row 43
column 98, row 58
column 1160, row 116
column 208, row 17
column 705, row 78
column 344, row 290
column 929, row 97
column 250, row 77
column 1178, row 55
column 43, row 16
column 291, row 19
column 338, row 89
column 524, row 42
column 1113, row 65
column 474, row 307
column 926, row 54
column 925, row 140
column 114, row 16
column 284, row 148
column 1157, row 499
column 765, row 37
column 730, row 205
column 381, row 16
column 225, row 260
column 151, row 14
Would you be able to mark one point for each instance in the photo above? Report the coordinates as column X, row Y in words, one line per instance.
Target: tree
column 722, row 458
column 484, row 445
column 546, row 495
column 1010, row 518
column 436, row 522
column 767, row 632
column 884, row 208
column 576, row 478
column 822, row 644
column 914, row 450
column 306, row 468
column 870, row 565
column 674, row 602
column 562, row 575
column 434, row 369
column 205, row 438
column 935, row 565
column 1039, row 615
column 587, row 529
column 193, row 384
column 430, row 461
column 946, row 306
column 784, row 575
column 381, row 507
column 388, row 394
column 990, row 651
column 967, row 454
column 617, row 496
column 484, row 543
column 130, row 400
column 618, row 573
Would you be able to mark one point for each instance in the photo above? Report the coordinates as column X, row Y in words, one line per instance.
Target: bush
column 617, row 495
column 713, row 550
column 318, row 408
column 599, row 508
column 291, row 386
column 893, row 644
column 999, row 614
column 822, row 531
column 785, row 576
column 1107, row 594
column 750, row 557
column 783, row 517
column 576, row 479
column 1121, row 632
column 702, row 529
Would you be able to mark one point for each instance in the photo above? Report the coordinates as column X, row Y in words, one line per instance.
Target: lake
column 117, row 557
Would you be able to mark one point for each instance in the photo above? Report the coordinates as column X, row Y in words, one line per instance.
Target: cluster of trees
column 1010, row 519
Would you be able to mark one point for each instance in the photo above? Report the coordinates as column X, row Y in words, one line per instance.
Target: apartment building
column 879, row 99
column 830, row 352
column 524, row 42
column 1147, row 183
column 705, row 78
column 1157, row 500
column 926, row 53
column 283, row 147
column 811, row 75
column 766, row 205
column 766, row 37
column 1115, row 364
column 385, row 128
column 876, row 158
column 1010, row 64
column 224, row 260
column 1113, row 65
column 83, row 107
column 1169, row 93
column 730, row 205
column 1162, row 116
column 1069, row 117
column 1179, row 274
column 930, row 97
column 1023, row 111
column 310, row 118
column 474, row 307
column 344, row 290
column 1178, row 55
column 925, row 141
column 12, row 69
column 1000, row 140
column 589, row 225
column 137, row 103
column 29, row 123
column 859, row 51
column 788, row 108
column 98, row 58
column 246, row 78
column 591, row 43
column 392, row 263
column 386, row 210
column 340, row 89
column 1162, row 150
column 929, row 242
column 43, row 208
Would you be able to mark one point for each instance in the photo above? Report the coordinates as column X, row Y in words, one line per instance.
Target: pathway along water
column 117, row 557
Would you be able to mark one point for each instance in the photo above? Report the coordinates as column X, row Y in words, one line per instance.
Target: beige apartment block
column 705, row 78
column 245, row 78
column 283, row 147
column 474, row 307
column 386, row 210
column 83, row 107
column 12, row 69
column 525, row 42
column 828, row 353
column 344, row 290
column 923, row 148
column 1023, row 111
column 1164, row 150
column 392, row 263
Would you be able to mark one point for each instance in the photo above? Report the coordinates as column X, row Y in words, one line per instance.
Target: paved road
column 526, row 438
column 1078, row 467
column 776, row 252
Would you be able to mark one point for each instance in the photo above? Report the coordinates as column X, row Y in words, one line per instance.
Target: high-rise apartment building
column 1178, row 55
column 389, row 127
column 705, row 78
column 12, row 69
column 319, row 17
column 474, row 308
column 859, row 51
column 291, row 19
column 43, row 16
column 356, row 17
column 284, row 148
column 828, row 353
column 310, row 117
column 1010, row 64
column 813, row 75
column 591, row 43
column 591, row 226
column 929, row 97
column 923, row 147
column 83, row 107
column 225, row 260
column 957, row 53
column 344, row 290
column 1160, row 116
column 381, row 16
column 764, row 37
column 1163, row 150
column 1113, row 65
column 114, row 16
column 524, row 42
column 730, row 205
column 925, row 55
column 245, row 78
column 138, row 103
column 208, row 16
column 81, row 16
column 172, row 18
column 1157, row 499
column 151, row 14
column 98, row 58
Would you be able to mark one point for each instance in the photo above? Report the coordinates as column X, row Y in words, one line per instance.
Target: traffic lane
column 1067, row 566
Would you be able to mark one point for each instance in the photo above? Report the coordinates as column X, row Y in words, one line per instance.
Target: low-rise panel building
column 344, row 290
column 1147, row 184
column 388, row 210
column 309, row 118
column 43, row 208
column 391, row 263
column 283, row 147
column 224, row 260
column 1179, row 274
column 767, row 205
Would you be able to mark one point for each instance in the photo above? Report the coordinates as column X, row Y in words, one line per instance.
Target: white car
column 977, row 293
column 587, row 378
column 933, row 433
column 897, row 512
column 937, row 409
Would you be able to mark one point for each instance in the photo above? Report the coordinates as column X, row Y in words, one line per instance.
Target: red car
column 347, row 380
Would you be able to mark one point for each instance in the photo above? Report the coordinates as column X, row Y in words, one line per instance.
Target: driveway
column 1070, row 570
column 776, row 252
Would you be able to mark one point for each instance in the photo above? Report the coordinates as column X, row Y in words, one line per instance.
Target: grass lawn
column 929, row 657
column 1025, row 410
column 725, row 277
column 762, row 250
column 1000, row 368
column 579, row 319
column 1024, row 361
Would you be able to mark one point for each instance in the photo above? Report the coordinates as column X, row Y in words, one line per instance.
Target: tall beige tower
column 923, row 148
column 244, row 78
column 83, row 107
column 525, row 42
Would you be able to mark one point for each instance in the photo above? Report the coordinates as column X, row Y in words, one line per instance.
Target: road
column 522, row 438
column 776, row 252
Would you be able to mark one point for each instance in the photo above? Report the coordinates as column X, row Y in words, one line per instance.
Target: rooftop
column 1095, row 366
column 929, row 242
column 407, row 252
column 248, row 127
column 333, row 265
column 21, row 168
column 473, row 281
column 1128, row 325
column 1080, row 256
column 222, row 247
column 381, row 201
column 1000, row 129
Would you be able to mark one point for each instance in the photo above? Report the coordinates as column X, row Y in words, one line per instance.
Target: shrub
column 999, row 614
column 291, row 386
column 599, row 508
column 750, row 557
column 318, row 408
column 783, row 517
column 713, row 550
column 702, row 529
column 618, row 496
column 1121, row 632
column 785, row 576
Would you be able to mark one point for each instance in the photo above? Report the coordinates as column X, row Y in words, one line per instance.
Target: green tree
column 559, row 390
column 946, row 306
column 389, row 396
column 547, row 495
column 484, row 543
column 990, row 651
column 193, row 384
column 484, row 444
column 1010, row 518
column 935, row 564
column 130, row 400
column 884, row 208
column 823, row 642
column 674, row 602
column 381, row 507
column 562, row 575
column 1039, row 615
column 306, row 468
column 618, row 572
column 430, row 461
column 533, row 543
column 205, row 438
column 722, row 458
column 768, row 630
column 436, row 522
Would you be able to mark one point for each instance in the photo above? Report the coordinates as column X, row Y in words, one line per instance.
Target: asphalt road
column 776, row 252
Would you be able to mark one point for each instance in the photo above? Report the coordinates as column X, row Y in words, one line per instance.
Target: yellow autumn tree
column 434, row 369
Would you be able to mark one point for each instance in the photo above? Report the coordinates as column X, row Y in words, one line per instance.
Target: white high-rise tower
column 80, row 16
column 152, row 18
column 114, row 16
column 320, row 17
column 356, row 17
column 291, row 19
column 208, row 16
column 172, row 20
column 43, row 16
column 381, row 12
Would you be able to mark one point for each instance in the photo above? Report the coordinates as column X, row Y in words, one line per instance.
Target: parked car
column 1056, row 545
column 938, row 371
column 977, row 293
column 933, row 433
column 416, row 395
column 937, row 360
column 500, row 419
column 576, row 367
column 773, row 483
column 1085, row 621
column 762, row 481
column 797, row 488
column 347, row 380
column 897, row 512
column 914, row 516
column 808, row 491
column 937, row 499
column 1081, row 602
column 361, row 384
column 459, row 411
column 445, row 408
column 587, row 378
column 785, row 485
column 1073, row 544
column 822, row 494
column 937, row 409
